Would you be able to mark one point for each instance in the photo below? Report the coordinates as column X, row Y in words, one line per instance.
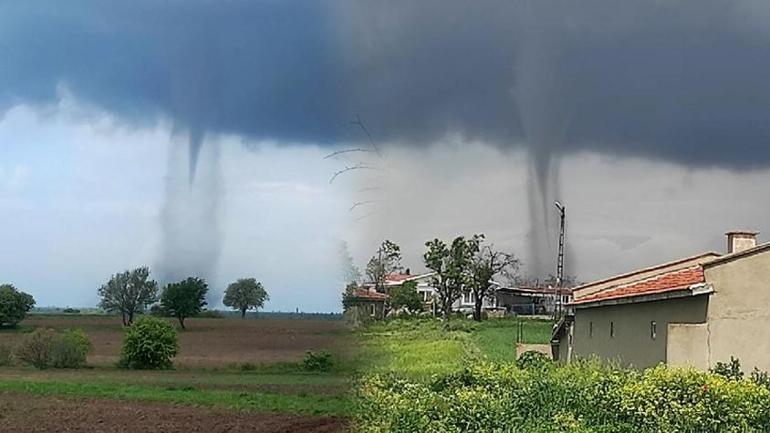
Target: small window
column 612, row 329
column 653, row 330
column 591, row 329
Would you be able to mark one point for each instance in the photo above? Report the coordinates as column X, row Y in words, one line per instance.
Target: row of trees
column 133, row 291
column 466, row 265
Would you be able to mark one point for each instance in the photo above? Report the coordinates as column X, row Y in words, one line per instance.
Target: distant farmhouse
column 506, row 300
column 696, row 311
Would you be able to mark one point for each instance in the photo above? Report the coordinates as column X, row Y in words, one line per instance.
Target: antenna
column 560, row 257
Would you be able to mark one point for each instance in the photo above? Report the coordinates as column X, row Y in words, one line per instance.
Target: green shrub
column 760, row 378
column 731, row 370
column 248, row 366
column 211, row 314
column 70, row 349
column 5, row 355
column 406, row 296
column 36, row 349
column 534, row 360
column 150, row 344
column 581, row 397
column 318, row 361
column 461, row 325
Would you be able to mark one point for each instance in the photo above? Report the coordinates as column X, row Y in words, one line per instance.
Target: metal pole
column 560, row 258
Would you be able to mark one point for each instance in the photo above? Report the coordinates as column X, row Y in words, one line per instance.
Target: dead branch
column 340, row 152
column 361, row 203
column 361, row 125
column 359, row 166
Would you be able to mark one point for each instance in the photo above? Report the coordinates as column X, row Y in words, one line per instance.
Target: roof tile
column 667, row 282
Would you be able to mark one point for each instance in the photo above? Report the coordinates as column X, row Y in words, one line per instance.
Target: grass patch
column 422, row 347
column 254, row 401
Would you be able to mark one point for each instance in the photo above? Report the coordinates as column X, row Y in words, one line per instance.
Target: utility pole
column 560, row 257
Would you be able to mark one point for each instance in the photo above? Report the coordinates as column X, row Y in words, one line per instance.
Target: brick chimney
column 740, row 240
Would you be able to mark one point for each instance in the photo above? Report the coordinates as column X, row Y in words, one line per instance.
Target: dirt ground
column 210, row 342
column 21, row 413
column 542, row 348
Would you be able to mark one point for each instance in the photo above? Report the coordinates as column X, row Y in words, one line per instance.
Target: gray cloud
column 683, row 81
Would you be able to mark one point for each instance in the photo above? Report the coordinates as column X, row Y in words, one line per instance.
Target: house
column 428, row 295
column 363, row 305
column 695, row 311
column 532, row 300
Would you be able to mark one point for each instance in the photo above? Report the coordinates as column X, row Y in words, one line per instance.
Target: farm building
column 532, row 300
column 696, row 311
column 364, row 305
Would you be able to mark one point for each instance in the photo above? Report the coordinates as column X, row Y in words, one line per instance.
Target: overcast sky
column 190, row 135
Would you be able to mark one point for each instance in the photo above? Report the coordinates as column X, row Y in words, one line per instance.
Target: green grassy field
column 420, row 348
column 415, row 348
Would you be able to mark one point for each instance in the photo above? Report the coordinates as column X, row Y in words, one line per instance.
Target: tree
column 450, row 264
column 245, row 294
column 485, row 264
column 385, row 262
column 129, row 292
column 14, row 305
column 406, row 296
column 184, row 299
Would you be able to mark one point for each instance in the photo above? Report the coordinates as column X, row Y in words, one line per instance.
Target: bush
column 36, row 349
column 149, row 344
column 580, row 397
column 211, row 314
column 248, row 366
column 14, row 305
column 461, row 325
column 5, row 355
column 406, row 296
column 533, row 360
column 760, row 378
column 318, row 361
column 731, row 370
column 70, row 349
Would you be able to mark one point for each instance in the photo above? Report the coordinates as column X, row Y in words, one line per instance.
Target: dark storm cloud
column 683, row 81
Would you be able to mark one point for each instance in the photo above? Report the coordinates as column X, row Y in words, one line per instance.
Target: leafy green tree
column 184, row 299
column 129, row 292
column 450, row 264
column 14, row 305
column 244, row 295
column 485, row 264
column 349, row 295
column 150, row 344
column 385, row 262
column 406, row 296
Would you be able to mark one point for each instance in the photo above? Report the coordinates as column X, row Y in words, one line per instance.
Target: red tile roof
column 370, row 295
column 397, row 277
column 667, row 282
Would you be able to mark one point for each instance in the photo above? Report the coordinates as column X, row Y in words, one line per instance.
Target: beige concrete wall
column 633, row 344
column 687, row 345
column 739, row 311
column 591, row 288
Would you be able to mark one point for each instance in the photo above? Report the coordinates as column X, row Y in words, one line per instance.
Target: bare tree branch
column 359, row 166
column 361, row 125
column 362, row 203
column 340, row 152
